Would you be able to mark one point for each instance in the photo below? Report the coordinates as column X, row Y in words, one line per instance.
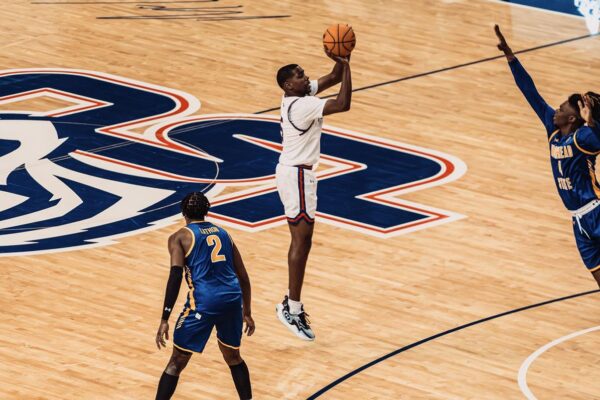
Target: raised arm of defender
column 526, row 85
column 586, row 111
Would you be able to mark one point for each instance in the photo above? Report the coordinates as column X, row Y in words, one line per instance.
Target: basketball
column 339, row 39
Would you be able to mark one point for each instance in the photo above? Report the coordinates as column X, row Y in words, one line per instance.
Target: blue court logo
column 109, row 157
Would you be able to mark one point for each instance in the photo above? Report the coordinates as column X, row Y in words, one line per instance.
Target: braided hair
column 195, row 205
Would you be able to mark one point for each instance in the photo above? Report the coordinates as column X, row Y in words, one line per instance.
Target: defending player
column 219, row 296
column 573, row 150
column 301, row 122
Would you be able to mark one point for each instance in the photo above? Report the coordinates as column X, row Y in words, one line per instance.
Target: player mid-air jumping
column 574, row 140
column 301, row 122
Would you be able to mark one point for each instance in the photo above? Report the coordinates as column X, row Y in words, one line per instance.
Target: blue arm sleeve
column 527, row 87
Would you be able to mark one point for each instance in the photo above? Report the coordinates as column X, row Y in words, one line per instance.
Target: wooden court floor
column 80, row 324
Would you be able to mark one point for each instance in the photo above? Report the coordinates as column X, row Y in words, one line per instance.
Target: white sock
column 295, row 306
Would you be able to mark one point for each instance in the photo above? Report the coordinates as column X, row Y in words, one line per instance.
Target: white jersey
column 301, row 123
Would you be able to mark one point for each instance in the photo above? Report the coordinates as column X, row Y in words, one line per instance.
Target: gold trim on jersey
column 182, row 318
column 188, row 278
column 226, row 345
column 552, row 135
column 581, row 149
column 592, row 172
column 193, row 242
column 595, row 269
column 188, row 350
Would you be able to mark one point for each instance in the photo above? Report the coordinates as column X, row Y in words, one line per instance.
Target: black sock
column 241, row 378
column 166, row 386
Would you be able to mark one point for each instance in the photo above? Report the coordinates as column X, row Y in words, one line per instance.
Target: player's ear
column 287, row 85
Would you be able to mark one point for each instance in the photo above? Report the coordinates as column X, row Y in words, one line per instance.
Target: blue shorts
column 587, row 236
column 193, row 329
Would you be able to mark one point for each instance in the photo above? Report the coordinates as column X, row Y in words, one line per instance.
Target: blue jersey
column 209, row 270
column 573, row 156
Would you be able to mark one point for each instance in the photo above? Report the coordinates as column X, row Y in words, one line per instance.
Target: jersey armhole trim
column 289, row 115
column 552, row 135
column 582, row 149
column 189, row 251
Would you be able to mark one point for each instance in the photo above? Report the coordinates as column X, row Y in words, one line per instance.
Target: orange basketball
column 339, row 39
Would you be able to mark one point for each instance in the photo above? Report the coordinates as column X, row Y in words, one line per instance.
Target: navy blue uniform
column 573, row 160
column 215, row 296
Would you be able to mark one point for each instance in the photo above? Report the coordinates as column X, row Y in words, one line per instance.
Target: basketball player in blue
column 301, row 122
column 219, row 296
column 574, row 139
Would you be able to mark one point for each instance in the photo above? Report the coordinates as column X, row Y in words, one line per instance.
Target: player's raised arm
column 342, row 102
column 177, row 252
column 334, row 77
column 503, row 46
column 526, row 85
column 244, row 279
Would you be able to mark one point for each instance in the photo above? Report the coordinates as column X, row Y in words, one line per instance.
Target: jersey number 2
column 214, row 240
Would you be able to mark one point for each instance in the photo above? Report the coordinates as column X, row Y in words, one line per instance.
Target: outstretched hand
column 585, row 109
column 502, row 45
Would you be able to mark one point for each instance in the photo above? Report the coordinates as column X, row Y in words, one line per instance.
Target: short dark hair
column 195, row 205
column 285, row 73
column 573, row 101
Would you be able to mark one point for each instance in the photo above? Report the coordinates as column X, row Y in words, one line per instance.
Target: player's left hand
column 336, row 58
column 585, row 109
column 249, row 325
column 162, row 334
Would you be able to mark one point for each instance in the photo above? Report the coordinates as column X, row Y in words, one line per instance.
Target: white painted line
column 539, row 352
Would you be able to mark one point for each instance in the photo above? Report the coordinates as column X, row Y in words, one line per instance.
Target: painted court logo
column 109, row 156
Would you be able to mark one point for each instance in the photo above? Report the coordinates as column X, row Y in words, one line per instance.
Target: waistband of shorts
column 585, row 209
column 302, row 166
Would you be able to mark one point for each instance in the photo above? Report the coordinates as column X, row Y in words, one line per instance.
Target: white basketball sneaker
column 297, row 323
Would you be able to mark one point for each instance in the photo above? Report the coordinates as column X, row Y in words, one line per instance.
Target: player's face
column 299, row 82
column 565, row 115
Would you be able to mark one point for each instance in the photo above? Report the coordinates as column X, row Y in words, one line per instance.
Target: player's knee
column 176, row 365
column 232, row 357
column 307, row 244
column 303, row 239
column 173, row 369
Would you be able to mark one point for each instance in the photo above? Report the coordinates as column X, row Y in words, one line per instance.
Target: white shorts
column 297, row 187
